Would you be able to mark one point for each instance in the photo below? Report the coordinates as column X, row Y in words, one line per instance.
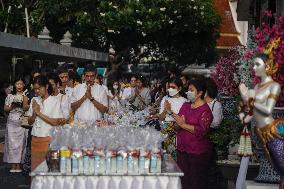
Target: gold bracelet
column 273, row 96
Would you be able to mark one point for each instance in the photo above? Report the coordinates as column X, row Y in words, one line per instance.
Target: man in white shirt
column 89, row 100
column 66, row 90
column 214, row 104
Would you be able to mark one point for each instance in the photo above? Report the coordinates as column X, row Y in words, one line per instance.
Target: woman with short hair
column 194, row 149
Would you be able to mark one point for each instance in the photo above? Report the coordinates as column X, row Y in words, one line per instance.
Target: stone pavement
column 9, row 180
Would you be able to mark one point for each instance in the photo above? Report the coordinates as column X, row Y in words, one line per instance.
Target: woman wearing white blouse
column 44, row 113
column 173, row 101
column 213, row 103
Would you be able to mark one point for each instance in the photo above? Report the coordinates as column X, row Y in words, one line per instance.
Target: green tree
column 13, row 20
column 179, row 31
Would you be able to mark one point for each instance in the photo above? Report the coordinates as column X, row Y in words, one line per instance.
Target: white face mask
column 172, row 92
column 115, row 86
column 191, row 96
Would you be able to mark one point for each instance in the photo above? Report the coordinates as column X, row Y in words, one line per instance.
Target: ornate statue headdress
column 271, row 65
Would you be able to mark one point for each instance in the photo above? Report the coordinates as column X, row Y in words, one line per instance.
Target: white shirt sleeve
column 217, row 115
column 30, row 111
column 74, row 95
column 162, row 104
column 103, row 97
column 65, row 106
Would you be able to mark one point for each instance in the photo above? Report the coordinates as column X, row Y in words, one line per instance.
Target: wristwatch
column 92, row 99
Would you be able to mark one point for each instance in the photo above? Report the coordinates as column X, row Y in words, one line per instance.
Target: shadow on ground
column 12, row 180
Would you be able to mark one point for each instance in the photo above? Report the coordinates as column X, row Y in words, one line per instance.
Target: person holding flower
column 194, row 149
column 15, row 104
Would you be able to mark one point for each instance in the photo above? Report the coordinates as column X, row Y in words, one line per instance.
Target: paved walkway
column 9, row 180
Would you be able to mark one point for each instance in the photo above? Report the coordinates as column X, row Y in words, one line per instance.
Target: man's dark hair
column 90, row 68
column 62, row 69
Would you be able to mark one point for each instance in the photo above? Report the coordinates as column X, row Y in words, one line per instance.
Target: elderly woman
column 194, row 149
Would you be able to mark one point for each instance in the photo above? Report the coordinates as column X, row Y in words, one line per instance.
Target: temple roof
column 228, row 32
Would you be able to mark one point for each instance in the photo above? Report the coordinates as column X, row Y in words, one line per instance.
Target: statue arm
column 271, row 101
column 245, row 92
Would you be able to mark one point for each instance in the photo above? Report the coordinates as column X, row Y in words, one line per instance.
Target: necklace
column 261, row 85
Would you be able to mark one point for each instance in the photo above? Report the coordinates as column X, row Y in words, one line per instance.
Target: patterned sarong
column 39, row 150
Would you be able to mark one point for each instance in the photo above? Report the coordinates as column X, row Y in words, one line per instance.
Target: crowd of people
column 189, row 106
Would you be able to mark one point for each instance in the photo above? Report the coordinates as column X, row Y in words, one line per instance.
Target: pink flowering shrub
column 225, row 73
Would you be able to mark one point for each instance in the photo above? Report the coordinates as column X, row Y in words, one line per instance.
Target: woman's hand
column 62, row 121
column 167, row 107
column 36, row 107
column 180, row 120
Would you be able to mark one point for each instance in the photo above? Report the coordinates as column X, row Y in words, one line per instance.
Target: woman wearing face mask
column 114, row 97
column 173, row 101
column 44, row 113
column 194, row 149
column 171, row 104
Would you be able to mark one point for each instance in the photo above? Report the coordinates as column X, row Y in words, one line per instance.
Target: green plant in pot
column 227, row 134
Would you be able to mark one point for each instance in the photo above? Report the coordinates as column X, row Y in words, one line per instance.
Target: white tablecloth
column 168, row 179
column 106, row 182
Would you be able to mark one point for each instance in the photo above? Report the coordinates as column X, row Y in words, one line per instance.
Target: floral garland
column 245, row 147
